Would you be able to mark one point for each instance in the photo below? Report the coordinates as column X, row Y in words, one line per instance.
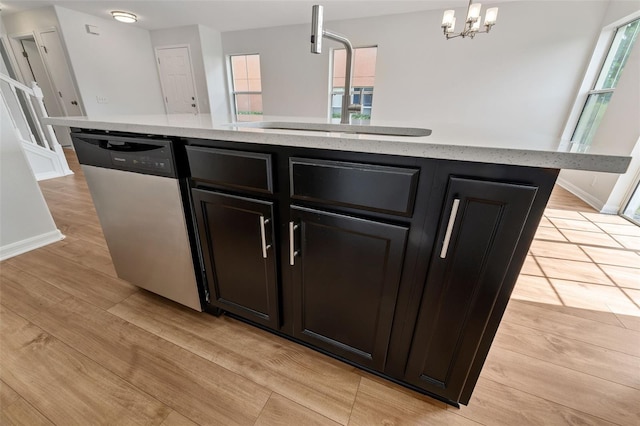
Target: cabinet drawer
column 236, row 169
column 365, row 186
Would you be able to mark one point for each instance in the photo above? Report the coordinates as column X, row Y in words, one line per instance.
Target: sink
column 336, row 128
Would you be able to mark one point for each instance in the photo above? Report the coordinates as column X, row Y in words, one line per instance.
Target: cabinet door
column 479, row 229
column 346, row 276
column 236, row 235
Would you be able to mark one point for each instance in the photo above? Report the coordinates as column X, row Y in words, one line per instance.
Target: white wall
column 215, row 71
column 521, row 78
column 27, row 21
column 118, row 64
column 25, row 220
column 189, row 35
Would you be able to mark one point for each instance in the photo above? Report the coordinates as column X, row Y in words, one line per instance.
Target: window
column 599, row 96
column 247, row 87
column 364, row 74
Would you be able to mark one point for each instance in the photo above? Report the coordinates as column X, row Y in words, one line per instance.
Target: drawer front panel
column 236, row 169
column 364, row 186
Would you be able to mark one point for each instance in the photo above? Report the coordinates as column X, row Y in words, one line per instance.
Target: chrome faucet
column 317, row 33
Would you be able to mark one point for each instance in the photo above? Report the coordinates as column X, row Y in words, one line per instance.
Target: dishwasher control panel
column 143, row 163
column 140, row 154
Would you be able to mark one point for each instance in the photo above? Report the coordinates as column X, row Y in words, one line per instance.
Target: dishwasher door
column 142, row 217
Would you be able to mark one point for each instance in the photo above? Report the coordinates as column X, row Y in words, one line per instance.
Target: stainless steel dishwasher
column 135, row 186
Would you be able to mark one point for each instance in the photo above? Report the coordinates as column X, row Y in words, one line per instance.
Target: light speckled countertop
column 454, row 143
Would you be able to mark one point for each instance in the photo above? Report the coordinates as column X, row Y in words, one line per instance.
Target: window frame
column 587, row 89
column 233, row 93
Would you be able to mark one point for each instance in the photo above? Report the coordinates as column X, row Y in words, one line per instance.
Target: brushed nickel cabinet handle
column 447, row 235
column 263, row 237
column 292, row 249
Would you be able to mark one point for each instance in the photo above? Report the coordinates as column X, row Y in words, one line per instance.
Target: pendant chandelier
column 472, row 24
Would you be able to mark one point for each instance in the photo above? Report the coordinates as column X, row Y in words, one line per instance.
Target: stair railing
column 28, row 106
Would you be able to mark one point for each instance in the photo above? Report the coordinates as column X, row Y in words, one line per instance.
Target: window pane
column 239, row 71
column 248, row 107
column 590, row 118
column 364, row 66
column 618, row 55
column 364, row 71
column 245, row 71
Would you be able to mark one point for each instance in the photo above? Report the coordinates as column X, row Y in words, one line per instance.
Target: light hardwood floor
column 79, row 346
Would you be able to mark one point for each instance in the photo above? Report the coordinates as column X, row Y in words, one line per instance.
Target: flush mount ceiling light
column 121, row 16
column 472, row 24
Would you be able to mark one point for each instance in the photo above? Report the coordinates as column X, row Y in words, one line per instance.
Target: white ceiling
column 237, row 14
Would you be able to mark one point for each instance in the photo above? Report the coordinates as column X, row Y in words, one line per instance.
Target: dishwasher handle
column 121, row 143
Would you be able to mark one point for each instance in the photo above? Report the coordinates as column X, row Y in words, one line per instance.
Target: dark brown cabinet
column 401, row 266
column 480, row 227
column 346, row 273
column 236, row 235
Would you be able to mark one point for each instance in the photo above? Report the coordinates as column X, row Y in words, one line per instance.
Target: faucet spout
column 317, row 33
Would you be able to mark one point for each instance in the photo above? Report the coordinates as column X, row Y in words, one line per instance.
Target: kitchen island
column 395, row 254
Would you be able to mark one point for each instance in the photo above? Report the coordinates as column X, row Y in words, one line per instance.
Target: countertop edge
column 493, row 155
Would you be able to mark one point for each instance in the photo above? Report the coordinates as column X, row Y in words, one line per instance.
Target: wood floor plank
column 497, row 404
column 567, row 387
column 26, row 294
column 623, row 276
column 85, row 283
column 595, row 297
column 561, row 199
column 7, row 395
column 310, row 379
column 537, row 316
column 176, row 419
column 379, row 404
column 611, row 256
column 88, row 232
column 555, row 250
column 22, row 413
column 281, row 411
column 573, row 270
column 199, row 389
column 587, row 358
column 64, row 385
column 90, row 255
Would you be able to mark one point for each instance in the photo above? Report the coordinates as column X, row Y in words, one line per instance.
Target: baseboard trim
column 580, row 193
column 32, row 243
column 610, row 209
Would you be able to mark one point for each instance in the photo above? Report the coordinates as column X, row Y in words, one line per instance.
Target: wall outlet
column 102, row 99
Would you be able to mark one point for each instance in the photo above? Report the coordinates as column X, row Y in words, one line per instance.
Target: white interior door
column 176, row 78
column 56, row 63
column 40, row 76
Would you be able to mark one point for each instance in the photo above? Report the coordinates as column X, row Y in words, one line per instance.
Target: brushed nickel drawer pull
column 263, row 237
column 292, row 249
column 447, row 235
